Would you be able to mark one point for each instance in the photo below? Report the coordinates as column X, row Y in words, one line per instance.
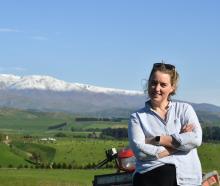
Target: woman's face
column 160, row 87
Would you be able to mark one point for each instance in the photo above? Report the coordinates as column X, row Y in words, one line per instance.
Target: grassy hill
column 20, row 121
column 8, row 157
column 37, row 123
column 78, row 152
column 209, row 118
column 82, row 151
column 15, row 119
column 43, row 153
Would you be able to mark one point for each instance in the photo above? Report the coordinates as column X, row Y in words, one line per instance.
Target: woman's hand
column 187, row 128
column 167, row 152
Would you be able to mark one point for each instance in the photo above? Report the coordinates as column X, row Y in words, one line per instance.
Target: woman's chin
column 156, row 99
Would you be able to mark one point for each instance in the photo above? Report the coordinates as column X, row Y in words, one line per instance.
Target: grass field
column 75, row 151
column 36, row 177
column 84, row 151
column 80, row 151
column 209, row 156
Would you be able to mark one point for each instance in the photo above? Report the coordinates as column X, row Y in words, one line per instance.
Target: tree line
column 117, row 133
column 210, row 133
column 99, row 119
column 57, row 126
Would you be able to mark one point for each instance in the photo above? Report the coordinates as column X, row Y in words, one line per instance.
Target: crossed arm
column 189, row 137
column 169, row 142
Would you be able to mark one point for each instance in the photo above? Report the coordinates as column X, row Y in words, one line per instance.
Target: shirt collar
column 148, row 107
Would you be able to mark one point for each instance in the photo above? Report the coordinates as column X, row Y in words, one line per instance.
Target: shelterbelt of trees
column 209, row 133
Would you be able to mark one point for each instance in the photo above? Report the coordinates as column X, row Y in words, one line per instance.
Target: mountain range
column 45, row 93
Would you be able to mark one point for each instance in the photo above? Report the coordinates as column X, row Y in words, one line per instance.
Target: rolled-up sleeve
column 189, row 140
column 137, row 141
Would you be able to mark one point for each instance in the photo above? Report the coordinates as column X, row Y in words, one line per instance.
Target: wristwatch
column 157, row 140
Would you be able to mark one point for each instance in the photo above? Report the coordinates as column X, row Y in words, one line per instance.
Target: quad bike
column 125, row 165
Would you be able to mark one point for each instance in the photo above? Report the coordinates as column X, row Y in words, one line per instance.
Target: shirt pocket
column 173, row 127
column 178, row 125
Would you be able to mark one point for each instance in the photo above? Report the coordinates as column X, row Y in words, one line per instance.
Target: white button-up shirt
column 145, row 123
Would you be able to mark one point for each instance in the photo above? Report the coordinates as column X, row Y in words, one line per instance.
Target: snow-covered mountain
column 46, row 93
column 36, row 82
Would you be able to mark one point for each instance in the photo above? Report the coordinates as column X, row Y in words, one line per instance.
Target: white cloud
column 9, row 30
column 41, row 38
column 35, row 37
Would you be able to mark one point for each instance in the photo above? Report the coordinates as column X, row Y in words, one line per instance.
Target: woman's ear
column 173, row 89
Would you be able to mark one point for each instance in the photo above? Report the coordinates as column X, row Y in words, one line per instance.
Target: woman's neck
column 161, row 109
column 159, row 106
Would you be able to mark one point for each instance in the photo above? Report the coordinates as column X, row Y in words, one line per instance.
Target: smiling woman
column 161, row 85
column 164, row 135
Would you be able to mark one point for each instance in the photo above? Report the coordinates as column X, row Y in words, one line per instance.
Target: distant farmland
column 69, row 159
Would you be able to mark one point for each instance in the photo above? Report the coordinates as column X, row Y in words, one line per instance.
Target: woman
column 164, row 135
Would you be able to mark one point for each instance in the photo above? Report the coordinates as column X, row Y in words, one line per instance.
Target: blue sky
column 113, row 43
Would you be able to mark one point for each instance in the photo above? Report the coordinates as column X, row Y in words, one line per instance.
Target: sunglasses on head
column 167, row 66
